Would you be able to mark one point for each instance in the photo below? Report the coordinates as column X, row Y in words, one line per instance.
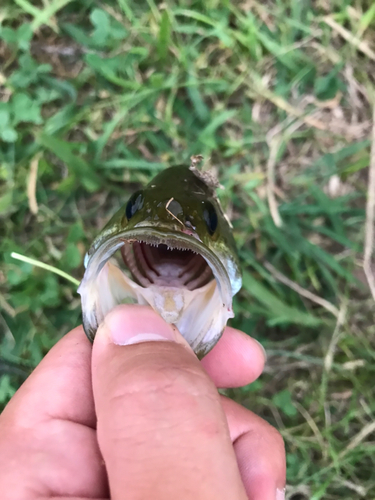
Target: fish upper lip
column 163, row 235
column 173, row 231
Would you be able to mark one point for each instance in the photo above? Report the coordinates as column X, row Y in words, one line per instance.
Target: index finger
column 48, row 445
column 60, row 386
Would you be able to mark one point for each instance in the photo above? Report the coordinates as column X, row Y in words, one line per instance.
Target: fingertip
column 236, row 360
column 134, row 324
column 59, row 387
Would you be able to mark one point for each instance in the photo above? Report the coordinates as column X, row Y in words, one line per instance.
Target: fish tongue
column 169, row 302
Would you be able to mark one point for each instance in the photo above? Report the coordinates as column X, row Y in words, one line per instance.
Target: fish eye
column 134, row 204
column 210, row 217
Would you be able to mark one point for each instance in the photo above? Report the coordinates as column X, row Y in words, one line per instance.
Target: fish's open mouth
column 165, row 266
column 174, row 273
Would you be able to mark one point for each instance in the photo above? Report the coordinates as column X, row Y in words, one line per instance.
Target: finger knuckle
column 165, row 375
column 168, row 379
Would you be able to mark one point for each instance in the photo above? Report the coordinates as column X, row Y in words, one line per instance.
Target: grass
column 96, row 97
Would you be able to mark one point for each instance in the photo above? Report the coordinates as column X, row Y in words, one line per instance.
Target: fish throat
column 165, row 266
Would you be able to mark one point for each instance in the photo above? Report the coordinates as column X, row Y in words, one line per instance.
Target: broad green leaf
column 71, row 258
column 24, row 36
column 9, row 135
column 25, row 109
column 283, row 401
column 100, row 19
column 76, row 233
column 19, row 38
column 29, row 72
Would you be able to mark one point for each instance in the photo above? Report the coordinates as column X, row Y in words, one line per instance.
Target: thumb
column 161, row 429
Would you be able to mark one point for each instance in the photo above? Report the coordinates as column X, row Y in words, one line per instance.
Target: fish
column 170, row 247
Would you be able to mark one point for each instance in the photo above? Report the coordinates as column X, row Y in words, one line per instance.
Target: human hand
column 141, row 421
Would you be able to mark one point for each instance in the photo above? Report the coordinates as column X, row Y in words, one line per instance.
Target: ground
column 96, row 97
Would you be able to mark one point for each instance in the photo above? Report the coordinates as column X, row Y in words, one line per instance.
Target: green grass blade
column 278, row 311
column 52, row 269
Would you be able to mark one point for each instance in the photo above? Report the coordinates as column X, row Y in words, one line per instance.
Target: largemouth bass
column 170, row 247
